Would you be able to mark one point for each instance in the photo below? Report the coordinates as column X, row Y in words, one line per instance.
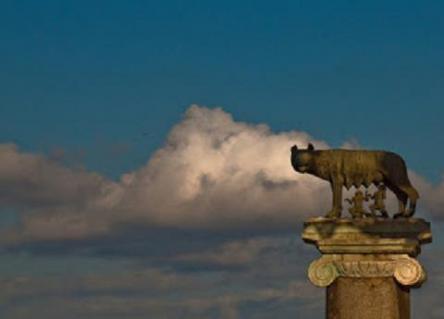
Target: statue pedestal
column 367, row 265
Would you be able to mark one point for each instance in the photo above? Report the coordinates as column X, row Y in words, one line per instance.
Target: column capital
column 405, row 270
column 367, row 248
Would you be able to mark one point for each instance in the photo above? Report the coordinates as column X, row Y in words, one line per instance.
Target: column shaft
column 367, row 298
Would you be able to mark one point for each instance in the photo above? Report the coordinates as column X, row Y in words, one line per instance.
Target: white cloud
column 35, row 181
column 212, row 172
column 215, row 171
column 431, row 196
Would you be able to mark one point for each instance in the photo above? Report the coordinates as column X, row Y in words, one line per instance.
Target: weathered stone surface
column 367, row 235
column 404, row 269
column 367, row 265
column 367, row 298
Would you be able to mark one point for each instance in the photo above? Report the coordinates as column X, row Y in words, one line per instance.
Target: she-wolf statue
column 355, row 168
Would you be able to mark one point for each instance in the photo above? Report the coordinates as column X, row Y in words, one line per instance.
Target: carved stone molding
column 365, row 268
column 406, row 270
column 367, row 236
column 322, row 272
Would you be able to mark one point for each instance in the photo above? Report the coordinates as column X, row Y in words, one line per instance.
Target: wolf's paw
column 334, row 213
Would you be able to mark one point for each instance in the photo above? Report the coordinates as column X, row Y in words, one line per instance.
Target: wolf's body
column 355, row 168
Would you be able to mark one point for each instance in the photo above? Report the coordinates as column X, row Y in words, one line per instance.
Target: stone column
column 367, row 265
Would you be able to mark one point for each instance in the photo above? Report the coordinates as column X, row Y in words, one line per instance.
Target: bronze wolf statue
column 355, row 168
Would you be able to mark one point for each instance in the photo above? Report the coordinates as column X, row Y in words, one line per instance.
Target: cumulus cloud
column 215, row 171
column 432, row 196
column 212, row 172
column 36, row 181
column 53, row 201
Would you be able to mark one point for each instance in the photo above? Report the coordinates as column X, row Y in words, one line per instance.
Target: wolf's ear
column 294, row 148
column 310, row 147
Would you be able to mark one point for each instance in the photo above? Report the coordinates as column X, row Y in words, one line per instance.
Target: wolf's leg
column 412, row 196
column 336, row 186
column 402, row 201
column 400, row 195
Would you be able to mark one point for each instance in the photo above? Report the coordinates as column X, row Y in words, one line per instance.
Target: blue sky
column 100, row 85
column 81, row 74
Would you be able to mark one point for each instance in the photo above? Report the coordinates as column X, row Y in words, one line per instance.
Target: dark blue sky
column 108, row 79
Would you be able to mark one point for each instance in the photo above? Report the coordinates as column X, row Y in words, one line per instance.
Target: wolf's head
column 302, row 160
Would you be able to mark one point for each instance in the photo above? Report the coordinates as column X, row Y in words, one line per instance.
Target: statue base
column 367, row 265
